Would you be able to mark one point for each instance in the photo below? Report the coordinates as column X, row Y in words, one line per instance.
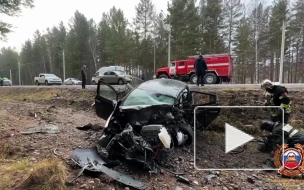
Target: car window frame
column 112, row 73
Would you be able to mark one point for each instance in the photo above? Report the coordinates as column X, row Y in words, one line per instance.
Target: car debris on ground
column 44, row 129
column 90, row 126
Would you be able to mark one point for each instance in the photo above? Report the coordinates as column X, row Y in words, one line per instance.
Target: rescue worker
column 200, row 66
column 1, row 81
column 275, row 131
column 277, row 96
column 84, row 76
column 274, row 137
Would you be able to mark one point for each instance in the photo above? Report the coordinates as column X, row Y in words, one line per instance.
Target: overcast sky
column 48, row 13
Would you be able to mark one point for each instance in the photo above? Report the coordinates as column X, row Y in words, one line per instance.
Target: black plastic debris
column 183, row 180
column 46, row 129
column 250, row 179
column 89, row 126
column 89, row 159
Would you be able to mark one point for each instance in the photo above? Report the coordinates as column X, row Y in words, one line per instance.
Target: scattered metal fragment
column 78, row 175
column 210, row 177
column 49, row 109
column 55, row 152
column 174, row 173
column 90, row 157
column 49, row 129
column 183, row 180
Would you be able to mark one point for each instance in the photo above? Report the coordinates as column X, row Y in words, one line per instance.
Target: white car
column 72, row 81
column 7, row 82
column 47, row 79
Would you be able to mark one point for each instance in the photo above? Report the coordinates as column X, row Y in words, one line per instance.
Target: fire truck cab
column 220, row 69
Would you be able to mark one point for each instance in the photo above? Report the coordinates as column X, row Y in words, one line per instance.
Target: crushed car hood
column 140, row 115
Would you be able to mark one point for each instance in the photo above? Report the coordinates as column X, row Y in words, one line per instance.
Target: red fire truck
column 220, row 69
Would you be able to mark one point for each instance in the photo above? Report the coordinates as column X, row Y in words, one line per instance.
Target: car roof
column 170, row 87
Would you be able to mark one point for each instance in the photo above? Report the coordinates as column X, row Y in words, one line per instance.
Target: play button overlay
column 229, row 137
column 235, row 138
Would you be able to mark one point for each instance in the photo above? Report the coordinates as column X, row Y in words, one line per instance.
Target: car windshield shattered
column 146, row 97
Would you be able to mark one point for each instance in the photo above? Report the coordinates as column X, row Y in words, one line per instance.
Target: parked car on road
column 102, row 70
column 72, row 81
column 115, row 77
column 7, row 82
column 47, row 79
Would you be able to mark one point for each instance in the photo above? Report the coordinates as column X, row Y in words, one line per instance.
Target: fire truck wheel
column 163, row 76
column 193, row 79
column 210, row 78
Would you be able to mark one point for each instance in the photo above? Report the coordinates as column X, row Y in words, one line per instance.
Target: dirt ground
column 20, row 155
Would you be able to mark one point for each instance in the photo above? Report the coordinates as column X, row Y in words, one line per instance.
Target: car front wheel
column 46, row 83
column 163, row 76
column 193, row 79
column 120, row 82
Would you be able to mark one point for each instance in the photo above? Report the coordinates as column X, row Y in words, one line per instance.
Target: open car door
column 105, row 99
column 204, row 116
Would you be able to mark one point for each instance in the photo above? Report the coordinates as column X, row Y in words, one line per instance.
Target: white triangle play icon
column 235, row 138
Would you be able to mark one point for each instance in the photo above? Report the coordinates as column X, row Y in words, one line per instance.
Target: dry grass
column 22, row 165
column 12, row 173
column 7, row 150
column 46, row 175
column 31, row 95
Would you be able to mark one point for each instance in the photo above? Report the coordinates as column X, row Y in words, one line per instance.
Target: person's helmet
column 266, row 125
column 266, row 84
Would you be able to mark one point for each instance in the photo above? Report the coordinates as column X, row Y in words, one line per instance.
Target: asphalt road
column 290, row 87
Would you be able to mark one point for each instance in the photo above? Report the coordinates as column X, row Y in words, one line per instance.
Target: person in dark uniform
column 84, row 76
column 200, row 66
column 277, row 96
column 276, row 130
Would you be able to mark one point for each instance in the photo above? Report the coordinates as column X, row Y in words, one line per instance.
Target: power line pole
column 11, row 76
column 63, row 59
column 154, row 56
column 169, row 39
column 19, row 72
column 169, row 45
column 282, row 51
column 19, row 69
column 256, row 45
